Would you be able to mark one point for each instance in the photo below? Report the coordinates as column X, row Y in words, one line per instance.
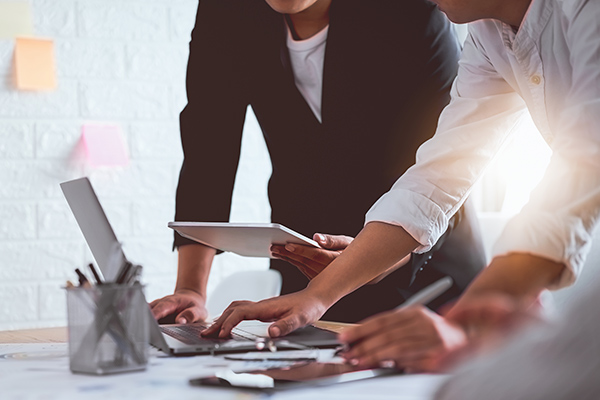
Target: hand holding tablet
column 245, row 239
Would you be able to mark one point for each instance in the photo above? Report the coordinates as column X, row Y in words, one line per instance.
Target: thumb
column 188, row 315
column 332, row 242
column 284, row 326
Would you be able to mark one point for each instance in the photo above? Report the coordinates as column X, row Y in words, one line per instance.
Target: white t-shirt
column 307, row 57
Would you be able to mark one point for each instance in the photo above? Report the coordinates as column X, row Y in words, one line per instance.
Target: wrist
column 190, row 291
column 325, row 294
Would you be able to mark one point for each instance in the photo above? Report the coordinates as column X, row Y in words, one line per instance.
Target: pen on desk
column 422, row 297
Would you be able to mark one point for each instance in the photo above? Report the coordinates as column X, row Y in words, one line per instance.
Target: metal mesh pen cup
column 108, row 328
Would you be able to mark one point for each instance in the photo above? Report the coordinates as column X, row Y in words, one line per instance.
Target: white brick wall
column 118, row 62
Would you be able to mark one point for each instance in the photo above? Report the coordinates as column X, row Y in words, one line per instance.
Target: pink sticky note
column 104, row 145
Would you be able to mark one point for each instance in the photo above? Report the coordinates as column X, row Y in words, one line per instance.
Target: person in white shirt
column 541, row 56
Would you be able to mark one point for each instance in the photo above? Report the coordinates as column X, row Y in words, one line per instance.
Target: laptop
column 175, row 339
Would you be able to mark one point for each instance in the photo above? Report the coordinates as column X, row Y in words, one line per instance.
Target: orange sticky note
column 104, row 145
column 34, row 64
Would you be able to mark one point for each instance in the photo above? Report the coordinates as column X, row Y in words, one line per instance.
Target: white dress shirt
column 551, row 67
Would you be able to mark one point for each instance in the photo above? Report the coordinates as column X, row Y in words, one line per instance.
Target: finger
column 376, row 324
column 189, row 315
column 302, row 262
column 332, row 242
column 388, row 351
column 163, row 308
column 215, row 328
column 276, row 250
column 312, row 255
column 251, row 311
column 306, row 271
column 400, row 337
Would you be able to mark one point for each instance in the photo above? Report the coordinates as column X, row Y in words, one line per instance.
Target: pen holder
column 108, row 328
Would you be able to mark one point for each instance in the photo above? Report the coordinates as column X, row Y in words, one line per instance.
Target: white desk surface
column 41, row 371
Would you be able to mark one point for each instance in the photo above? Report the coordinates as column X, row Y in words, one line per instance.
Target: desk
column 34, row 364
column 46, row 335
column 59, row 335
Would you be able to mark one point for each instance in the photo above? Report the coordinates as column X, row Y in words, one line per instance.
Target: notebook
column 174, row 339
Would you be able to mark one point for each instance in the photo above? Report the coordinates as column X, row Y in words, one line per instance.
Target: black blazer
column 388, row 69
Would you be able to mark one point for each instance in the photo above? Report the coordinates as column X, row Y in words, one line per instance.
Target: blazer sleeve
column 211, row 123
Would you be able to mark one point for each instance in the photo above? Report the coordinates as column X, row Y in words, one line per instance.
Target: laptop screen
column 95, row 226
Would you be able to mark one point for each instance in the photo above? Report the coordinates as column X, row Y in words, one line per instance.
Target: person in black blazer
column 387, row 71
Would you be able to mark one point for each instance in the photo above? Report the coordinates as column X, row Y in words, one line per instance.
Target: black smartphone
column 310, row 374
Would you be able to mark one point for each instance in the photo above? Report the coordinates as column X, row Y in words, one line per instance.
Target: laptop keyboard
column 190, row 334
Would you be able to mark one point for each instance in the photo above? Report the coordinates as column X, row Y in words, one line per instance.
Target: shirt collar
column 535, row 20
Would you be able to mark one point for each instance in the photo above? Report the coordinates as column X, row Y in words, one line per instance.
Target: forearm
column 193, row 268
column 376, row 249
column 384, row 275
column 519, row 275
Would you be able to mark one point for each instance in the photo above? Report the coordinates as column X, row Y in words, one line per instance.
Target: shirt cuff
column 418, row 215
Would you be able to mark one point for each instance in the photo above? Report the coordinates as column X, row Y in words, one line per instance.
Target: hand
column 289, row 312
column 309, row 260
column 489, row 318
column 414, row 338
column 188, row 304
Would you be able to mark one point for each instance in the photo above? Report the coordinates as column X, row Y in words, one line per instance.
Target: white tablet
column 245, row 239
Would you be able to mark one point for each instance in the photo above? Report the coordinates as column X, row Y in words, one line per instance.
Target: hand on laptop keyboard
column 289, row 312
column 187, row 305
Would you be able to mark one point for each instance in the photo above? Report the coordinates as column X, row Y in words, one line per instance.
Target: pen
column 95, row 273
column 429, row 293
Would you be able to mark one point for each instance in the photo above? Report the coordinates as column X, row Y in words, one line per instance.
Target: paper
column 34, row 64
column 104, row 145
column 15, row 19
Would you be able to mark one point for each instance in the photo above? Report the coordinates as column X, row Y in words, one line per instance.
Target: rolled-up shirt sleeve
column 559, row 220
column 482, row 114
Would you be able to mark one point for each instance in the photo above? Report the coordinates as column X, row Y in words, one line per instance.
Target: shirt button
column 536, row 80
